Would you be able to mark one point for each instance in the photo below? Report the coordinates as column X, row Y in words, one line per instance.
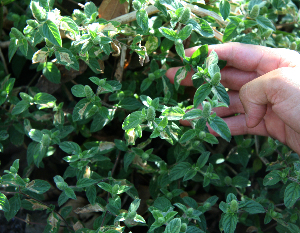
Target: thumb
column 276, row 87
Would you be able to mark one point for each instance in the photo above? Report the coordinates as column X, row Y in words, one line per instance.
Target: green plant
column 139, row 108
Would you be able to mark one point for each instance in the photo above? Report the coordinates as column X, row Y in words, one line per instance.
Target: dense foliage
column 105, row 110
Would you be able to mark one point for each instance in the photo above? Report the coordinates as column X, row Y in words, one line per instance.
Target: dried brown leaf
column 110, row 9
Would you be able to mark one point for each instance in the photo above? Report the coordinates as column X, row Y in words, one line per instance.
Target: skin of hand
column 264, row 88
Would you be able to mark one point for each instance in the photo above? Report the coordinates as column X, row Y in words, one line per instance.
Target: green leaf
column 272, row 178
column 85, row 182
column 78, row 90
column 62, row 198
column 130, row 103
column 220, row 127
column 291, row 194
column 142, row 19
column 90, row 8
column 168, row 33
column 70, row 193
column 132, row 120
column 194, row 113
column 173, row 113
column 189, row 175
column 210, row 139
column 201, row 93
column 188, row 135
column 229, row 222
column 128, row 158
column 15, row 205
column 91, row 194
column 44, row 98
column 66, row 23
column 202, row 160
column 3, row 135
column 20, row 107
column 51, row 72
column 4, row 203
column 221, row 94
column 80, row 109
column 202, row 27
column 224, row 9
column 105, row 186
column 179, row 170
column 265, row 23
column 230, row 32
column 70, row 147
column 65, row 57
column 38, row 11
column 180, row 50
column 38, row 186
column 51, row 32
column 145, row 84
column 185, row 32
column 252, row 207
column 179, row 76
column 12, row 48
column 173, row 226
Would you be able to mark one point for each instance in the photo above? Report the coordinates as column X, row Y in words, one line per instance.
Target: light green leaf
column 185, row 32
column 230, row 32
column 180, row 50
column 90, row 8
column 4, row 203
column 65, row 57
column 44, row 98
column 105, row 186
column 179, row 76
column 51, row 32
column 132, row 120
column 142, row 19
column 36, row 135
column 168, row 33
column 68, row 24
column 173, row 113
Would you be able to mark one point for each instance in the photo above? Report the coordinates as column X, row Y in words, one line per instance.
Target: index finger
column 247, row 57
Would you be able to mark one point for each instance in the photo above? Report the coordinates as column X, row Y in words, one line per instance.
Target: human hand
column 264, row 88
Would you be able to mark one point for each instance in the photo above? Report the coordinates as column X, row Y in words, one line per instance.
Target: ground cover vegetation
column 90, row 133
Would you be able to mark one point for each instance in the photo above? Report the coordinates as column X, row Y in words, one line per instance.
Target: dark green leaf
column 220, row 127
column 291, row 194
column 202, row 160
column 173, row 226
column 130, row 103
column 179, row 170
column 85, row 182
column 189, row 175
column 252, row 207
column 229, row 222
column 70, row 193
column 78, row 90
column 20, row 107
column 201, row 93
column 272, row 178
column 15, row 205
column 70, row 147
column 38, row 186
column 91, row 194
column 188, row 135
